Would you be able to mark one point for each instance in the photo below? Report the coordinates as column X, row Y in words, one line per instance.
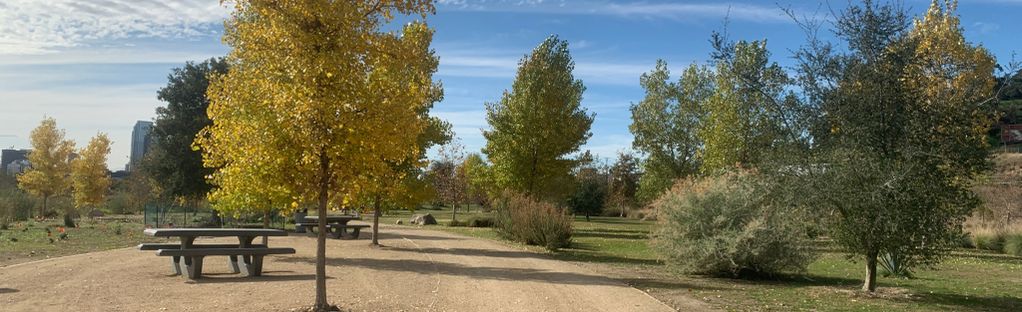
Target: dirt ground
column 417, row 270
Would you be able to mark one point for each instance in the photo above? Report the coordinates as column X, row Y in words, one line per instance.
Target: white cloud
column 40, row 27
column 497, row 66
column 663, row 10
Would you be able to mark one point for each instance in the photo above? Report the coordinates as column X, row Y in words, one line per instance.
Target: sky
column 96, row 65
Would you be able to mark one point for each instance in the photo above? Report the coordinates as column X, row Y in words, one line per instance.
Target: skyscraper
column 139, row 142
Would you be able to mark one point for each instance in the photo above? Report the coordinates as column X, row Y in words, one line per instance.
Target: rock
column 420, row 219
column 399, row 222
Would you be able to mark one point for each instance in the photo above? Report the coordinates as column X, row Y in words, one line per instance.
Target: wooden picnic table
column 194, row 253
column 337, row 225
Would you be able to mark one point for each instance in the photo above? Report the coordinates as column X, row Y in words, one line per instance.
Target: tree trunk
column 376, row 221
column 587, row 216
column 871, row 272
column 454, row 215
column 324, row 186
column 42, row 212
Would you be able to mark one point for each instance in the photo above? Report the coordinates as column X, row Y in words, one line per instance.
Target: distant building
column 139, row 142
column 13, row 159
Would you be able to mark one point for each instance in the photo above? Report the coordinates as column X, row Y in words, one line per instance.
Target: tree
column 623, row 182
column 742, row 124
column 479, row 178
column 448, row 178
column 51, row 163
column 171, row 161
column 322, row 98
column 90, row 179
column 665, row 125
column 590, row 191
column 900, row 132
column 538, row 123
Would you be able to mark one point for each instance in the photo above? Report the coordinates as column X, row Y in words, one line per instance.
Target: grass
column 28, row 240
column 968, row 280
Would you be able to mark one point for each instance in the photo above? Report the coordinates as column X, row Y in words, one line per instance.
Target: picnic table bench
column 193, row 254
column 337, row 225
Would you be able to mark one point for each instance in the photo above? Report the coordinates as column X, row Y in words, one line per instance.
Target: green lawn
column 28, row 240
column 969, row 280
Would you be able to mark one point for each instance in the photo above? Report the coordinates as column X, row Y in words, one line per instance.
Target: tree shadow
column 606, row 230
column 643, row 283
column 570, row 255
column 605, row 234
column 472, row 252
column 8, row 290
column 445, row 268
column 385, row 235
column 1001, row 258
column 963, row 302
column 206, row 279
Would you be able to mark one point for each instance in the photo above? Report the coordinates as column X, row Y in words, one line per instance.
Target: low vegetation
column 724, row 226
column 523, row 219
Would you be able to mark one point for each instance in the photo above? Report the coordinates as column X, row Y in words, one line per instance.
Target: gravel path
column 417, row 270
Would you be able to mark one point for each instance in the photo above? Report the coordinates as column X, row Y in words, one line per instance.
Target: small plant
column 480, row 222
column 117, row 229
column 989, row 240
column 1013, row 244
column 523, row 219
column 892, row 264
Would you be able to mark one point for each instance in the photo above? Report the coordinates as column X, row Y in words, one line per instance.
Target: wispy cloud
column 40, row 27
column 505, row 66
column 662, row 10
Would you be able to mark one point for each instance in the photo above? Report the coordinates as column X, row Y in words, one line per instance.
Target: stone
column 423, row 219
column 399, row 222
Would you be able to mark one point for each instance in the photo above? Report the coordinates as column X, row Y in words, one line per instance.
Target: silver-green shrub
column 727, row 226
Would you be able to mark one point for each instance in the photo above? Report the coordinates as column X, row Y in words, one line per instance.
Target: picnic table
column 193, row 254
column 337, row 225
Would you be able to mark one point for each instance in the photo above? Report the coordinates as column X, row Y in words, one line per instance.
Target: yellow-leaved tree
column 51, row 163
column 90, row 179
column 317, row 98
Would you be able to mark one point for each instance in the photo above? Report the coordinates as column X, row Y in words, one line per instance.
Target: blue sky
column 95, row 65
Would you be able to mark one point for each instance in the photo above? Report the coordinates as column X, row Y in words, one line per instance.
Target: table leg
column 186, row 243
column 245, row 242
column 176, row 262
column 234, row 264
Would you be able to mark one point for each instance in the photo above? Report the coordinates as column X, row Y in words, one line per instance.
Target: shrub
column 457, row 223
column 480, row 221
column 1013, row 244
column 989, row 240
column 725, row 226
column 523, row 219
column 15, row 205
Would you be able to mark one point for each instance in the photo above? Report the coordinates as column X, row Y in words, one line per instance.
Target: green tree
column 318, row 100
column 480, row 179
column 538, row 123
column 742, row 124
column 51, row 163
column 590, row 191
column 665, row 125
column 172, row 162
column 90, row 179
column 900, row 134
column 623, row 182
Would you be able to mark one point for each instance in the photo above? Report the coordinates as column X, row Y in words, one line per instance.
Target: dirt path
column 418, row 270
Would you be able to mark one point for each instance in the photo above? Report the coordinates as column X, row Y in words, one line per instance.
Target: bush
column 15, row 205
column 989, row 240
column 480, row 221
column 457, row 223
column 1013, row 244
column 523, row 219
column 725, row 226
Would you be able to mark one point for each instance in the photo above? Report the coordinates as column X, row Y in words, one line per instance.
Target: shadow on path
column 257, row 279
column 472, row 252
column 493, row 273
column 386, row 235
column 8, row 290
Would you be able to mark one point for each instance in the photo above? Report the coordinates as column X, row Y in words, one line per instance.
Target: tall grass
column 523, row 219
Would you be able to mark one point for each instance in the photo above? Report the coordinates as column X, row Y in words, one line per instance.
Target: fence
column 161, row 215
